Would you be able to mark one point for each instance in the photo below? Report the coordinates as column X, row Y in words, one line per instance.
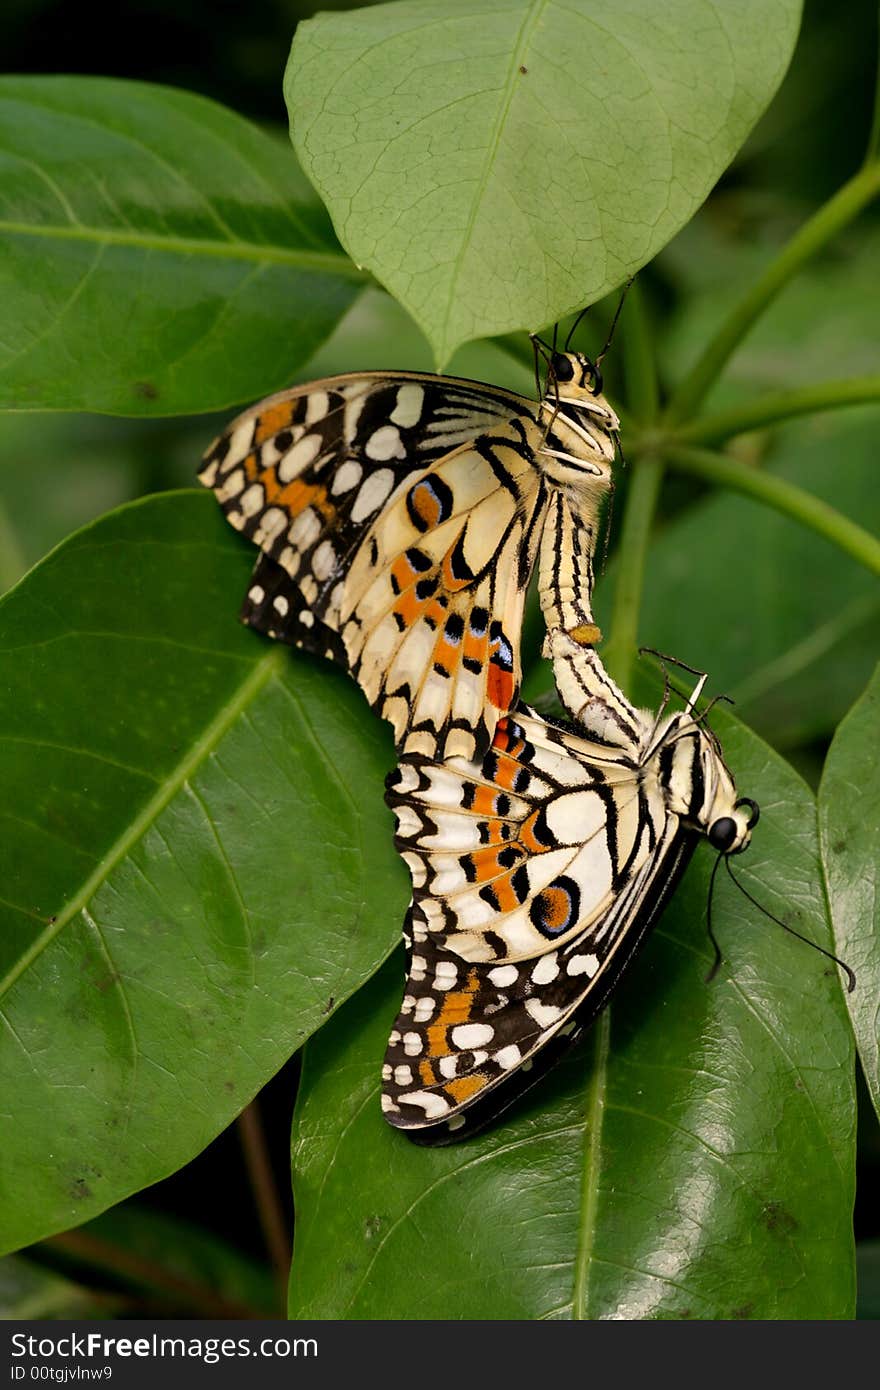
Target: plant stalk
column 789, row 499
column 644, row 490
column 815, row 233
column 773, row 408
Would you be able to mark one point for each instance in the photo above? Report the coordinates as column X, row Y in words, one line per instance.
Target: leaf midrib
column 592, row 1168
column 331, row 262
column 268, row 666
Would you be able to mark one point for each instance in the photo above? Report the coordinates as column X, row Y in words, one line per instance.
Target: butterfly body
column 399, row 518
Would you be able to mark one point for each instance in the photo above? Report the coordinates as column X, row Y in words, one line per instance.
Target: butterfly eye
column 722, row 833
column 563, row 367
column 754, row 811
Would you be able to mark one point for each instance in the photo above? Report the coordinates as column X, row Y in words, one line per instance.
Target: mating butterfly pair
column 399, row 520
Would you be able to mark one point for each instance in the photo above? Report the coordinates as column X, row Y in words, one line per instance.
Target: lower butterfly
column 537, row 873
column 539, row 869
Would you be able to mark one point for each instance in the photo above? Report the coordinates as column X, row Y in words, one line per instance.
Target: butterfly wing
column 398, row 520
column 536, row 876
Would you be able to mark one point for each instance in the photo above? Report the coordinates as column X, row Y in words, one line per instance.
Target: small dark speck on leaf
column 51, row 920
column 743, row 1313
column 79, row 1190
column 329, row 1005
column 523, row 70
column 229, row 1086
column 147, row 390
column 838, row 847
column 372, row 1227
column 777, row 1218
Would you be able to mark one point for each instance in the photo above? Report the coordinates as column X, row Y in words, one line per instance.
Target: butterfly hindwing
column 405, row 539
column 535, row 874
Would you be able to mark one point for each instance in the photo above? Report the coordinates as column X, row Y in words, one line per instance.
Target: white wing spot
column 385, row 443
column 504, row 975
column 508, row 1057
column 583, row 965
column 372, row 494
column 324, row 560
column 413, row 1044
column 546, row 970
column 469, row 1035
column 252, row 500
column 304, row 452
column 347, row 477
column 410, row 399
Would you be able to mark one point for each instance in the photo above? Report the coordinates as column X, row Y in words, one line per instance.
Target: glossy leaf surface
column 849, row 831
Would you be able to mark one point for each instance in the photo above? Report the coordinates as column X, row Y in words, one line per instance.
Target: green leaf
column 849, row 833
column 28, row 1291
column 782, row 621
column 694, row 1158
column 497, row 163
column 196, row 865
column 158, row 254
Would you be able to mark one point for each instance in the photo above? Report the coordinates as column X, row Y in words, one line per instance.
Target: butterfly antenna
column 555, row 336
column 716, row 963
column 574, row 326
column 850, row 974
column 536, row 350
column 701, row 717
column 620, row 304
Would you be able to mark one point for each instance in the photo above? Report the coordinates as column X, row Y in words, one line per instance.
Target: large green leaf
column 157, row 253
column 196, row 865
column 497, row 163
column 849, row 833
column 693, row 1159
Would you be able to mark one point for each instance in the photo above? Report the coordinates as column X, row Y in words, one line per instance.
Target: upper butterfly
column 399, row 517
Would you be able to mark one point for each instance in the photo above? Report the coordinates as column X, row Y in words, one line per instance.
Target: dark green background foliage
column 197, row 868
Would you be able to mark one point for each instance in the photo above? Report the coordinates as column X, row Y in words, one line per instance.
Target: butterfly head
column 575, row 380
column 699, row 786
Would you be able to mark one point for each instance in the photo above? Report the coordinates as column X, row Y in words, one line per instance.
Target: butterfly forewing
column 392, row 543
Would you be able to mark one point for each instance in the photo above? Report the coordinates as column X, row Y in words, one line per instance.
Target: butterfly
column 538, row 870
column 399, row 517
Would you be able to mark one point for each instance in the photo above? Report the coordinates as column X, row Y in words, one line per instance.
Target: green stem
column 821, row 227
column 644, row 490
column 781, row 405
column 619, row 651
column 785, row 497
